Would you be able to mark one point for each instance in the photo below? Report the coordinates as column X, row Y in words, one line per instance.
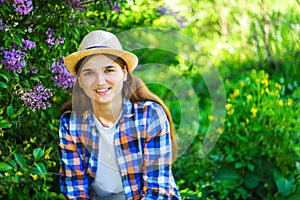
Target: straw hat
column 97, row 42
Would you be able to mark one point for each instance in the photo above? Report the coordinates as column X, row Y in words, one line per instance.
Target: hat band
column 94, row 47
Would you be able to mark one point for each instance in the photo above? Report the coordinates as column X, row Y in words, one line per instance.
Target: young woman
column 117, row 140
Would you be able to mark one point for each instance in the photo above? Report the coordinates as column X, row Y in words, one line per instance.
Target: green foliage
column 27, row 176
column 254, row 45
column 257, row 155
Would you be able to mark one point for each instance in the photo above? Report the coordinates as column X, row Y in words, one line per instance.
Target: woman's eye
column 89, row 73
column 108, row 70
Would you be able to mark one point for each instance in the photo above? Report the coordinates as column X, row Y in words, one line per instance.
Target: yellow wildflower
column 19, row 173
column 289, row 102
column 280, row 102
column 54, row 164
column 265, row 82
column 34, row 176
column 6, row 174
column 242, row 83
column 236, row 92
column 278, row 86
column 230, row 112
column 228, row 106
column 253, row 111
column 47, row 156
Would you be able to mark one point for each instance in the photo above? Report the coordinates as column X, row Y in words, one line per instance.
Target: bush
column 34, row 84
column 257, row 155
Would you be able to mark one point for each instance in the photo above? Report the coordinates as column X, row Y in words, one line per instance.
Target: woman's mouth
column 102, row 90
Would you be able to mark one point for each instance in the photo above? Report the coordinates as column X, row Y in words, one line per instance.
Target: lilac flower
column 62, row 78
column 13, row 59
column 35, row 98
column 52, row 40
column 59, row 41
column 27, row 44
column 115, row 7
column 77, row 5
column 166, row 11
column 3, row 26
column 2, row 2
column 23, row 6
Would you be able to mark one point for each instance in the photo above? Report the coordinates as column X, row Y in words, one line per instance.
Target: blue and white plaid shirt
column 143, row 151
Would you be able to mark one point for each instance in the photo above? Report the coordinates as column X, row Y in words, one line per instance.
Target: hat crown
column 100, row 39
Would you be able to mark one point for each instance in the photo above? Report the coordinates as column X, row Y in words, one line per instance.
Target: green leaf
column 285, row 185
column 20, row 111
column 10, row 110
column 3, row 85
column 20, row 160
column 38, row 153
column 5, row 124
column 39, row 169
column 14, row 164
column 227, row 173
column 4, row 77
column 251, row 180
column 5, row 167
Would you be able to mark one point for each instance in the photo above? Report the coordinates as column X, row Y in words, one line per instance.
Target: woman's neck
column 107, row 114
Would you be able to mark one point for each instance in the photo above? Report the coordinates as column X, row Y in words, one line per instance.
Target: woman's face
column 102, row 80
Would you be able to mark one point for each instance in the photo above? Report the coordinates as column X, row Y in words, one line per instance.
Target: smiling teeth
column 102, row 90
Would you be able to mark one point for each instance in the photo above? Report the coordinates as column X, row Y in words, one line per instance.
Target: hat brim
column 72, row 59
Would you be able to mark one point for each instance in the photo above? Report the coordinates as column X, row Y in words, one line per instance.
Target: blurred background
column 254, row 45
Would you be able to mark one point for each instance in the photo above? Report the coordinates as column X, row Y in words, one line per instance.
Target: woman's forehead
column 98, row 61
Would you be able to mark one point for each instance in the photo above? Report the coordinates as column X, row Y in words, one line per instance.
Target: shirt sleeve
column 158, row 179
column 73, row 179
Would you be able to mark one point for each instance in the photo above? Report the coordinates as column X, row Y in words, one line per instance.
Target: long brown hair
column 134, row 89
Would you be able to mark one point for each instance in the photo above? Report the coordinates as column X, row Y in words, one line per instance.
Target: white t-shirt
column 108, row 183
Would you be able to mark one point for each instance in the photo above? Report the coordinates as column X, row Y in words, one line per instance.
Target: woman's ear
column 79, row 82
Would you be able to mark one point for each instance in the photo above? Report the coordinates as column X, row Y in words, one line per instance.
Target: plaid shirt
column 143, row 151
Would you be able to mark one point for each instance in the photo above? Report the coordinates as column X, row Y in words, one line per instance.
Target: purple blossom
column 23, row 6
column 27, row 44
column 51, row 40
column 2, row 2
column 36, row 97
column 77, row 5
column 3, row 26
column 62, row 77
column 59, row 41
column 114, row 6
column 13, row 59
column 166, row 11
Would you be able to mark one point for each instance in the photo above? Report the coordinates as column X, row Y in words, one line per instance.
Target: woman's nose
column 101, row 78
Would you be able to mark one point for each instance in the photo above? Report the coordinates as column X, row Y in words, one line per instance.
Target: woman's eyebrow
column 85, row 70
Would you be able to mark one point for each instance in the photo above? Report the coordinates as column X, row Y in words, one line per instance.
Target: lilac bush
column 13, row 60
column 35, row 98
column 35, row 84
column 3, row 26
column 51, row 40
column 62, row 77
column 114, row 6
column 23, row 6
